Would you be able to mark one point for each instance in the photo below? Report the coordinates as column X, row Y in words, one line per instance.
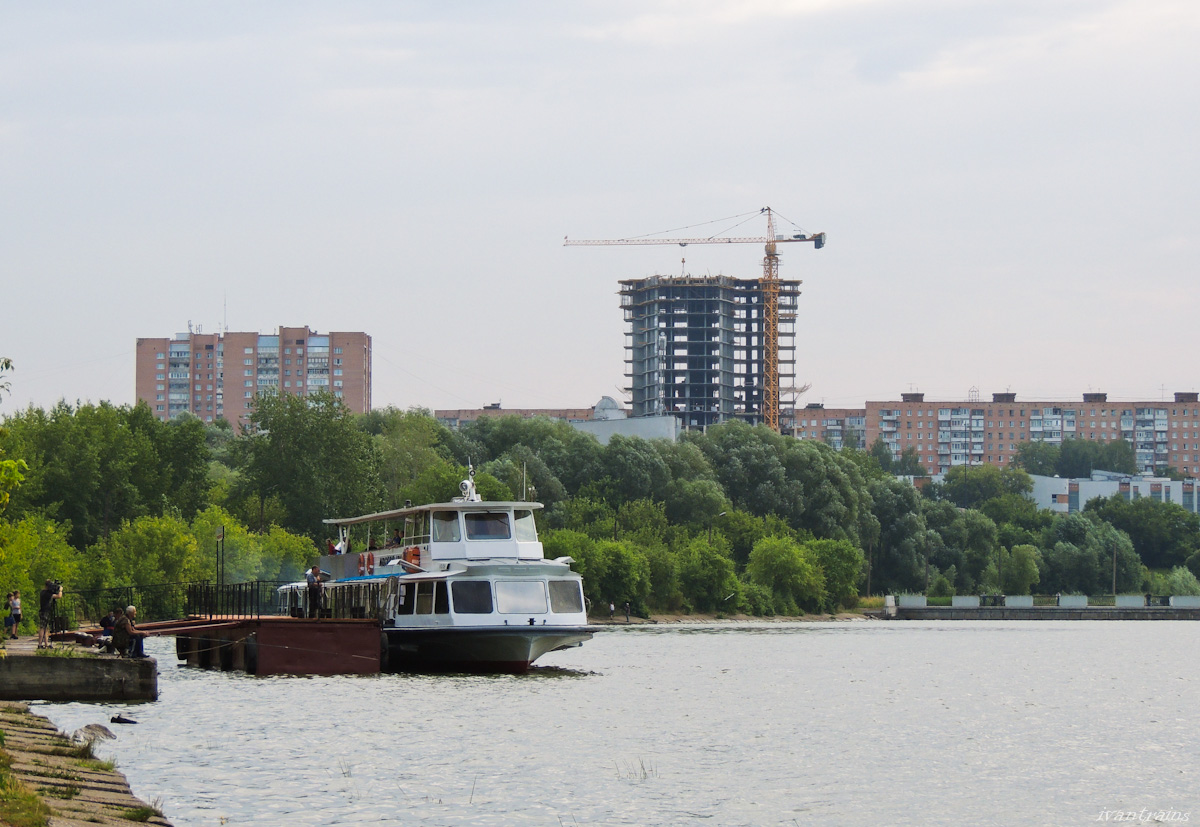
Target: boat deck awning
column 417, row 509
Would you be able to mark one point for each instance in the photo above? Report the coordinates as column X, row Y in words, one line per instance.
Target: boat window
column 524, row 597
column 565, row 596
column 472, row 597
column 432, row 598
column 487, row 525
column 406, row 599
column 525, row 530
column 445, row 527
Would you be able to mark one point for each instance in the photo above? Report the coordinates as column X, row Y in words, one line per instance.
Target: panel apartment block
column 214, row 375
column 973, row 432
column 694, row 346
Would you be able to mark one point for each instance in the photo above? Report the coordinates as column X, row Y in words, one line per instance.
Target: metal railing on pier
column 169, row 601
column 249, row 600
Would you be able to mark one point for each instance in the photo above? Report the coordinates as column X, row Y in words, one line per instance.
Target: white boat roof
column 464, row 505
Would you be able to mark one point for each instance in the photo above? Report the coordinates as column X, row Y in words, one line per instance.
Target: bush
column 941, row 586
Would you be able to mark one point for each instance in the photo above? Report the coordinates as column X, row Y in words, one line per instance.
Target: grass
column 60, row 792
column 141, row 813
column 96, row 764
column 86, row 750
column 870, row 602
column 19, row 805
column 63, row 652
column 63, row 774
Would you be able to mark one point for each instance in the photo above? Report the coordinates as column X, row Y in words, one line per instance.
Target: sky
column 1009, row 189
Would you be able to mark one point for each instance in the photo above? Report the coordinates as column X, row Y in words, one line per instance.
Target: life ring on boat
column 362, row 564
column 370, row 563
column 412, row 555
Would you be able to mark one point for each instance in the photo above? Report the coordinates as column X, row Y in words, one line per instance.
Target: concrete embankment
column 77, row 789
column 73, row 673
column 1044, row 613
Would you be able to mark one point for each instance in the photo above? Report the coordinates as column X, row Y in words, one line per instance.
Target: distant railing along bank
column 1043, row 607
column 1026, row 601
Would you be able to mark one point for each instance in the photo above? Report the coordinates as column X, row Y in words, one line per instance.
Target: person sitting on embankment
column 127, row 637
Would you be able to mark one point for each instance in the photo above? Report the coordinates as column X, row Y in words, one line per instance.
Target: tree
column 96, row 466
column 841, row 562
column 974, row 486
column 32, row 550
column 309, row 453
column 1164, row 534
column 899, row 563
column 909, row 464
column 1078, row 552
column 6, row 367
column 706, row 576
column 1022, row 569
column 408, row 445
column 748, row 466
column 1038, row 458
column 882, row 454
column 636, row 468
column 791, row 573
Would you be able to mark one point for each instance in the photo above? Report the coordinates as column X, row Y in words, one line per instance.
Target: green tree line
column 734, row 519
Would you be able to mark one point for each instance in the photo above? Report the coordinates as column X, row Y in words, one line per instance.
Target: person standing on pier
column 46, row 610
column 14, row 610
column 316, row 591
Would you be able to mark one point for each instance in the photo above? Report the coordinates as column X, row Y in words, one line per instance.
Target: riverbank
column 618, row 619
column 48, row 779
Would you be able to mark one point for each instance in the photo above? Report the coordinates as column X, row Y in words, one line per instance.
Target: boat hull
column 511, row 649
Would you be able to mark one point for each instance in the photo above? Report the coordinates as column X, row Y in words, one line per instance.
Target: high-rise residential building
column 215, row 375
column 695, row 347
column 947, row 433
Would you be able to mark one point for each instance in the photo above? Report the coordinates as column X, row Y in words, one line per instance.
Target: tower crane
column 770, row 289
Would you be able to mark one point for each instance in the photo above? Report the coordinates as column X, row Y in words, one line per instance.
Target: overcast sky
column 1009, row 188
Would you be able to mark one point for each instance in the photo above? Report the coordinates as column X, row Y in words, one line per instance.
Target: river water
column 854, row 723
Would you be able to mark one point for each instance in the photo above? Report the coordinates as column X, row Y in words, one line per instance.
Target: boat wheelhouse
column 462, row 585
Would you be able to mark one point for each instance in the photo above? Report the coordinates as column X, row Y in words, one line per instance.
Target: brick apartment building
column 973, row 432
column 216, row 375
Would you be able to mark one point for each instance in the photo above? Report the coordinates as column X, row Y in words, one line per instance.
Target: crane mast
column 770, row 293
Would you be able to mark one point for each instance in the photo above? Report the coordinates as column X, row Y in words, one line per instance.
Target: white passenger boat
column 460, row 586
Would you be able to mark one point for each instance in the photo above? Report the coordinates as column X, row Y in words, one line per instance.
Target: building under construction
column 696, row 349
